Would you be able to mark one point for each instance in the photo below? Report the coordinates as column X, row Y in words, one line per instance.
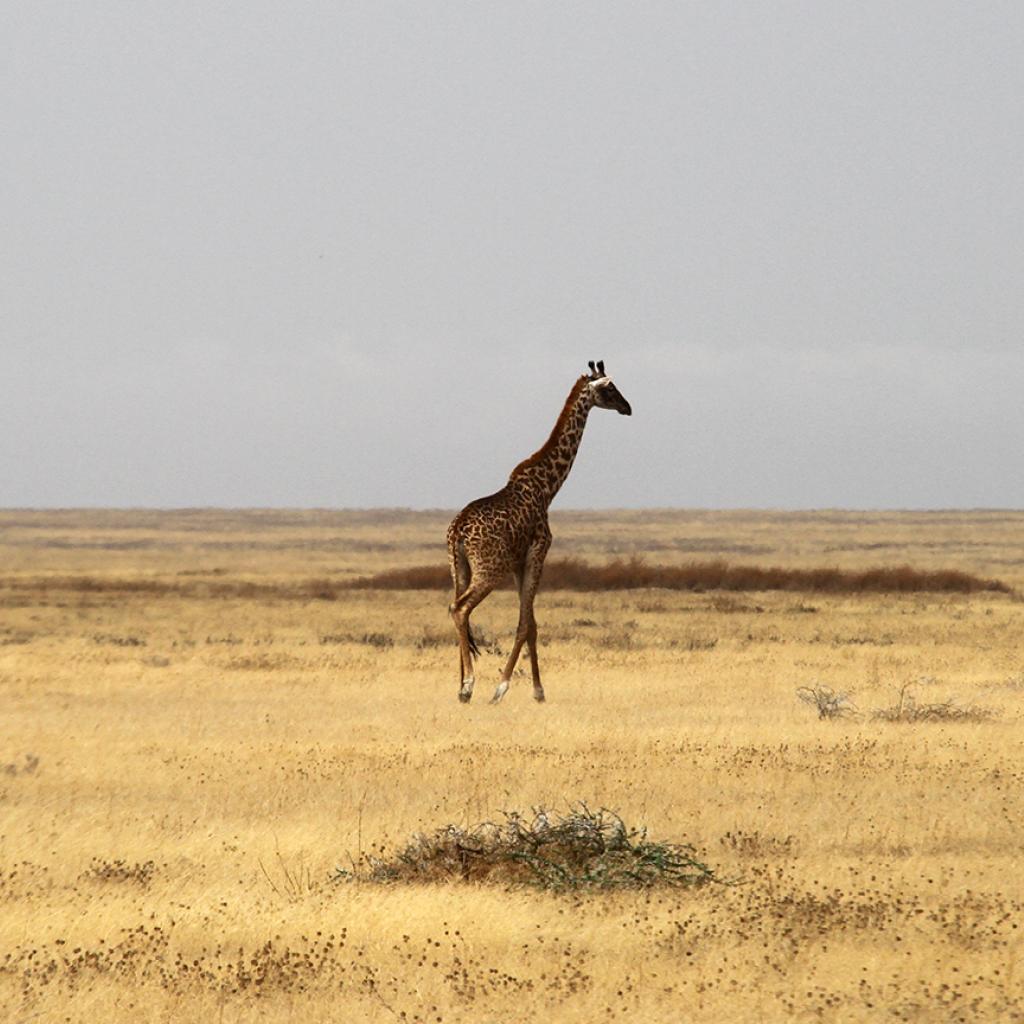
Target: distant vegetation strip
column 631, row 574
column 559, row 574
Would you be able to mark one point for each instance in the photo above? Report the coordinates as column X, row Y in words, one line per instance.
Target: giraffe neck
column 544, row 472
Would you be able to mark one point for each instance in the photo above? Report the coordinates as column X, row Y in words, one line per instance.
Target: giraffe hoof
column 538, row 696
column 500, row 691
column 464, row 698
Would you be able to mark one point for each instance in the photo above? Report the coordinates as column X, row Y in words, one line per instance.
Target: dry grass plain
column 183, row 767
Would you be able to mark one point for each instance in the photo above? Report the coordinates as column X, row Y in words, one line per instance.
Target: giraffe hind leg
column 460, row 616
column 461, row 576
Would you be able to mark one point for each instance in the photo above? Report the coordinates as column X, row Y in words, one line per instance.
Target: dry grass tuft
column 581, row 850
column 293, row 881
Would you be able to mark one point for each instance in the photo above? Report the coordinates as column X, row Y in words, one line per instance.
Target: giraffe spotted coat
column 507, row 532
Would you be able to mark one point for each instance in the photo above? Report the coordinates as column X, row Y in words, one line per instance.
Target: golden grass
column 183, row 770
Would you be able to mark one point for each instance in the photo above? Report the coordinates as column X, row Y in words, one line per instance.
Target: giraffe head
column 605, row 394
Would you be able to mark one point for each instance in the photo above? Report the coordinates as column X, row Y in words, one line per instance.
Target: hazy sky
column 351, row 254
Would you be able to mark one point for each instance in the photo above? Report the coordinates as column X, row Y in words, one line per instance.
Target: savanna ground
column 197, row 732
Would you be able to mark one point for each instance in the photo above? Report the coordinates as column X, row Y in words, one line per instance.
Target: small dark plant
column 138, row 873
column 115, row 640
column 27, row 767
column 729, row 605
column 758, row 845
column 488, row 642
column 696, row 643
column 378, row 640
column 15, row 638
column 430, row 638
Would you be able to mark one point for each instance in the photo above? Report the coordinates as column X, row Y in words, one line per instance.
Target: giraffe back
column 494, row 533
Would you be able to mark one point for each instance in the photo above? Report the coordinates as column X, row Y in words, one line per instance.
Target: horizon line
column 436, row 509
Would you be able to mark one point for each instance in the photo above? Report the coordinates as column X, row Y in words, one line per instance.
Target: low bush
column 583, row 849
column 379, row 640
column 826, row 701
column 908, row 709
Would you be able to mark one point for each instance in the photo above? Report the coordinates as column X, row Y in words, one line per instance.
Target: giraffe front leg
column 531, row 642
column 506, row 675
column 527, row 579
column 530, row 584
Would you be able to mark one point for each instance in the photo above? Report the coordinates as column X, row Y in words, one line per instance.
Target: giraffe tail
column 473, row 649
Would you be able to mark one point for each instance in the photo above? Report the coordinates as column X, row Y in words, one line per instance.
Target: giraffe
column 507, row 532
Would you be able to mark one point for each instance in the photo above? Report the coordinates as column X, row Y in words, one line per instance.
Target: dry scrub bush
column 908, row 709
column 583, row 849
column 826, row 701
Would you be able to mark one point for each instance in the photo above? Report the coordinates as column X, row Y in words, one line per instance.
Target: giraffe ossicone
column 507, row 533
